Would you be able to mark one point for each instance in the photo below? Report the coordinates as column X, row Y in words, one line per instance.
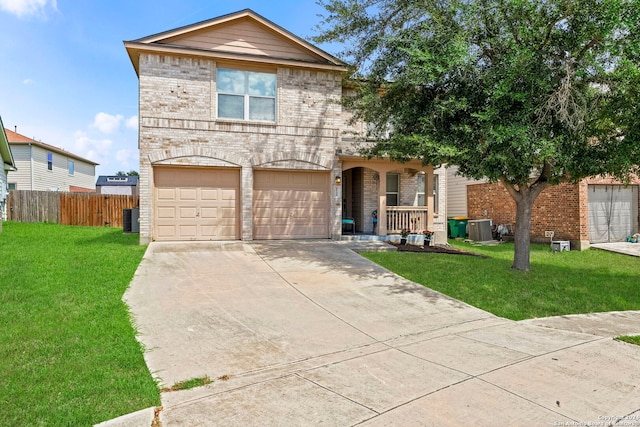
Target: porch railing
column 412, row 218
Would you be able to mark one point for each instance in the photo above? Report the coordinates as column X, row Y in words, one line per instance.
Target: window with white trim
column 49, row 161
column 246, row 95
column 71, row 166
column 422, row 189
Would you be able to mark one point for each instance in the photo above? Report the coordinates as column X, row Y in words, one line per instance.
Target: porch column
column 382, row 204
column 428, row 183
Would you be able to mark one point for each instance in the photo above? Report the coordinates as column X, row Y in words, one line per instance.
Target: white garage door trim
column 192, row 203
column 291, row 204
column 613, row 212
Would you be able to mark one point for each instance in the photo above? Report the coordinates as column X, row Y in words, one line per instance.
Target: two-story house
column 8, row 164
column 243, row 136
column 43, row 167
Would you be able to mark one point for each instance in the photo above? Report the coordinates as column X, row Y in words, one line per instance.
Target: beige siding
column 21, row 177
column 122, row 189
column 33, row 174
column 245, row 37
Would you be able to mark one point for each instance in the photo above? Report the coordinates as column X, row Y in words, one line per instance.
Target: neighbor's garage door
column 612, row 212
column 291, row 205
column 196, row 203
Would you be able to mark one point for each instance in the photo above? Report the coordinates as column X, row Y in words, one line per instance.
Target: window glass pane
column 262, row 84
column 50, row 161
column 421, row 199
column 71, row 167
column 12, row 186
column 420, row 188
column 262, row 109
column 231, row 81
column 392, row 199
column 231, row 106
column 392, row 182
column 436, row 196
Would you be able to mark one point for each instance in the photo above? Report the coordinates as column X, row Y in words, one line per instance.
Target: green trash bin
column 457, row 226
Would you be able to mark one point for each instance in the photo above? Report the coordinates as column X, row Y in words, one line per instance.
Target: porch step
column 364, row 238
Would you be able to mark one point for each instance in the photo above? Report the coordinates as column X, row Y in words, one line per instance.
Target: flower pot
column 403, row 241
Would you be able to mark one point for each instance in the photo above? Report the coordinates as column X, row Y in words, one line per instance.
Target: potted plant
column 403, row 236
column 428, row 237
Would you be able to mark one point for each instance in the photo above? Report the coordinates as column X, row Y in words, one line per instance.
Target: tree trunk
column 524, row 197
column 522, row 235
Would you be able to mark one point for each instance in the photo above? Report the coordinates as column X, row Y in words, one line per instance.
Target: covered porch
column 381, row 197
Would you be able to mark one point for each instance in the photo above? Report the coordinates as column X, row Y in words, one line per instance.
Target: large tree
column 530, row 93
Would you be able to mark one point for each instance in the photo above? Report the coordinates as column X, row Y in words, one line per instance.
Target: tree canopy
column 527, row 92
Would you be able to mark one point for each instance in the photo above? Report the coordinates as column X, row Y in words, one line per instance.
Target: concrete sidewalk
column 309, row 332
column 625, row 248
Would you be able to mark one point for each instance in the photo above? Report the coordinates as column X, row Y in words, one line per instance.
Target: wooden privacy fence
column 90, row 209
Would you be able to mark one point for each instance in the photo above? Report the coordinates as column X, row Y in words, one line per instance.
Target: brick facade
column 562, row 208
column 179, row 124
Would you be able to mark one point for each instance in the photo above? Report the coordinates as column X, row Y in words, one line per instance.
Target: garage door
column 196, row 204
column 612, row 212
column 291, row 205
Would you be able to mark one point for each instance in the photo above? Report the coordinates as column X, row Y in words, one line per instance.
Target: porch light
column 338, row 180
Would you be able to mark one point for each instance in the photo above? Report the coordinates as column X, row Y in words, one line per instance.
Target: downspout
column 31, row 163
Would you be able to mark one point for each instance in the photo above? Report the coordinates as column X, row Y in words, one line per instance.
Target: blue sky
column 66, row 79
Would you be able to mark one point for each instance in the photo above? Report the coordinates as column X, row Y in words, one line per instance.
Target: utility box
column 131, row 220
column 560, row 245
column 135, row 220
column 480, row 230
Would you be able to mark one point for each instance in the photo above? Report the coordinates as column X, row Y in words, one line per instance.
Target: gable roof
column 243, row 35
column 117, row 181
column 5, row 150
column 15, row 138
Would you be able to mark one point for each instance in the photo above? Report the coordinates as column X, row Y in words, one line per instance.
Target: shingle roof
column 18, row 139
column 117, row 181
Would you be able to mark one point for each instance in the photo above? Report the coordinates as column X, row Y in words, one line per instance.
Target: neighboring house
column 127, row 185
column 593, row 211
column 242, row 136
column 8, row 164
column 43, row 167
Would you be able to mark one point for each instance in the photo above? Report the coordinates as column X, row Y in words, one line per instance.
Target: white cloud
column 93, row 149
column 22, row 8
column 27, row 81
column 128, row 159
column 132, row 122
column 107, row 123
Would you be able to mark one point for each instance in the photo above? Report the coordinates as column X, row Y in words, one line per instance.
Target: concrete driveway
column 309, row 332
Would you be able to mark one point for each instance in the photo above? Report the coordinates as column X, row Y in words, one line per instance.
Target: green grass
column 189, row 384
column 558, row 283
column 68, row 353
column 633, row 339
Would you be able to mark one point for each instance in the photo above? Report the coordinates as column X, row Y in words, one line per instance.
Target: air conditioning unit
column 135, row 220
column 126, row 221
column 480, row 230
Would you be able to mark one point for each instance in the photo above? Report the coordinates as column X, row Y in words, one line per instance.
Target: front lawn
column 558, row 283
column 68, row 353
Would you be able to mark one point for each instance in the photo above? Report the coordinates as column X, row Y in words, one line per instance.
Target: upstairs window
column 246, row 95
column 50, row 161
column 71, row 166
column 12, row 186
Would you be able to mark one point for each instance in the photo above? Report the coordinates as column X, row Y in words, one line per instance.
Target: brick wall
column 558, row 209
column 563, row 209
